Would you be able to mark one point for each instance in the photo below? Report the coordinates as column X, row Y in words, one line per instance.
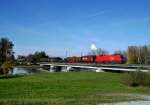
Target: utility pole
column 66, row 54
column 81, row 54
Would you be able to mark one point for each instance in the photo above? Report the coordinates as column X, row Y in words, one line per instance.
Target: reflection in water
column 15, row 71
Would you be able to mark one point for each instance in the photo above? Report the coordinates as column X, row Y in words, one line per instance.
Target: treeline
column 138, row 54
column 33, row 58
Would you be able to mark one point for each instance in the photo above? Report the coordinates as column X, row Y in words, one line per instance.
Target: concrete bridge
column 71, row 67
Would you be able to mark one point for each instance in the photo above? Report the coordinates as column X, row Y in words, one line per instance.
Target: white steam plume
column 93, row 47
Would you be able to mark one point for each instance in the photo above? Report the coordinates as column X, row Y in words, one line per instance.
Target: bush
column 137, row 78
column 4, row 68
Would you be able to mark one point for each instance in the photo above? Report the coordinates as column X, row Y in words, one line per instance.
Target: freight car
column 88, row 59
column 72, row 59
column 114, row 58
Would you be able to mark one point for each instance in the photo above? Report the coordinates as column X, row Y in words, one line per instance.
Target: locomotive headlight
column 112, row 58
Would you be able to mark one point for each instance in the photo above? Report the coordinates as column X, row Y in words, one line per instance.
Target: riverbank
column 26, row 66
column 78, row 88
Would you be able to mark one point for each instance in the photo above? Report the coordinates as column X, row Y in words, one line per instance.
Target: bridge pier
column 99, row 70
column 64, row 69
column 68, row 68
column 51, row 68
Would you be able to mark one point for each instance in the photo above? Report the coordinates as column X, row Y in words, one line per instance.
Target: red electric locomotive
column 115, row 58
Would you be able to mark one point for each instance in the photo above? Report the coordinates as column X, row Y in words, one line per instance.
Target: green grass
column 65, row 88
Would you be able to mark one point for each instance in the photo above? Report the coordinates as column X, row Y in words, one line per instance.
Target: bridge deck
column 123, row 68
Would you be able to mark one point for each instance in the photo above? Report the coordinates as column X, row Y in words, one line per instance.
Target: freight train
column 114, row 58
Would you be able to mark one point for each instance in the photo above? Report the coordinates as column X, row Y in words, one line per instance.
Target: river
column 19, row 70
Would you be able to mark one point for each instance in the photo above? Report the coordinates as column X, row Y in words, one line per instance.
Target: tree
column 124, row 53
column 36, row 57
column 31, row 59
column 139, row 54
column 148, row 55
column 132, row 55
column 21, row 57
column 98, row 51
column 5, row 67
column 6, row 54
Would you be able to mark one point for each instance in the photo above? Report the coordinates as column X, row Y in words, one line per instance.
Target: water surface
column 15, row 71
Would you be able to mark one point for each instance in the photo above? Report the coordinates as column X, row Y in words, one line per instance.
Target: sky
column 60, row 26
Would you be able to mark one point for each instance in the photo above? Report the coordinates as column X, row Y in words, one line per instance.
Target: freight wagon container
column 72, row 59
column 88, row 59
